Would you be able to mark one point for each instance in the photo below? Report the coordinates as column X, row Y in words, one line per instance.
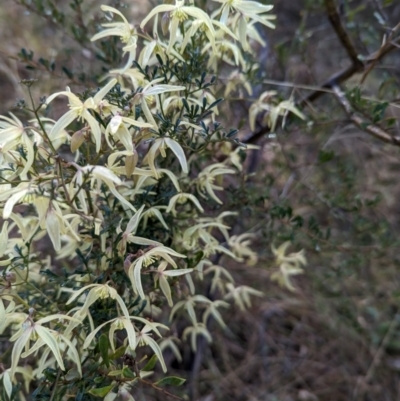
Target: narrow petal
column 163, row 8
column 63, row 122
column 179, row 153
column 102, row 92
column 17, row 350
column 12, row 200
column 166, row 289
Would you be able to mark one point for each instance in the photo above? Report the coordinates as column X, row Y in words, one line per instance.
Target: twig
column 341, row 33
column 165, row 392
column 335, row 79
column 378, row 355
column 364, row 125
column 388, row 39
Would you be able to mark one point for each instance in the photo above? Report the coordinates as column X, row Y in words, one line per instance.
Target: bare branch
column 341, row 33
column 335, row 79
column 364, row 125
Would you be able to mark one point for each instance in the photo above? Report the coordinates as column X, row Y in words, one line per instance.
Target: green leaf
column 150, row 364
column 102, row 391
column 325, row 156
column 67, row 72
column 104, row 346
column 170, row 381
column 126, row 372
column 119, row 352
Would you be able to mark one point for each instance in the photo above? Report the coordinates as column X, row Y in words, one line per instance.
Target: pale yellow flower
column 161, row 278
column 43, row 336
column 12, row 134
column 118, row 128
column 128, row 236
column 124, row 30
column 80, row 111
column 98, row 291
column 240, row 246
column 272, row 111
column 178, row 14
column 151, row 89
column 199, row 329
column 189, row 304
column 205, row 180
column 221, row 276
column 159, row 145
column 146, row 259
column 212, row 310
column 246, row 9
column 180, row 199
column 289, row 265
column 241, row 295
column 144, row 338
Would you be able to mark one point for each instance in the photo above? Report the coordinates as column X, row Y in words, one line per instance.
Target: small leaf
column 115, row 372
column 67, row 72
column 170, row 381
column 104, row 346
column 325, row 156
column 150, row 364
column 102, row 391
column 126, row 372
column 118, row 353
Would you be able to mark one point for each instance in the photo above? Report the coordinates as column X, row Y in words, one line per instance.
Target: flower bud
column 130, row 163
column 53, row 228
column 77, row 139
column 165, row 23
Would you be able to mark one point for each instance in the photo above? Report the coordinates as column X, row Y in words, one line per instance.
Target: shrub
column 127, row 187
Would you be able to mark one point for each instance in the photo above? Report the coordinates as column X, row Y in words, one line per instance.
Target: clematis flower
column 205, row 180
column 221, row 276
column 8, row 383
column 272, row 111
column 189, row 304
column 152, row 89
column 161, row 275
column 289, row 265
column 12, row 196
column 241, row 295
column 126, row 32
column 119, row 323
column 44, row 336
column 118, row 129
column 178, row 14
column 239, row 245
column 180, row 199
column 12, row 134
column 98, row 291
column 212, row 309
column 199, row 329
column 79, row 110
column 154, row 212
column 159, row 146
column 129, row 234
column 247, row 10
column 110, row 179
column 144, row 338
column 146, row 259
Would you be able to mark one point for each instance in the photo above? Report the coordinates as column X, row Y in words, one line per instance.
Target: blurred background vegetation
column 325, row 184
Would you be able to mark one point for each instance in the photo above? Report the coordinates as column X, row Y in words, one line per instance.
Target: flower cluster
column 128, row 211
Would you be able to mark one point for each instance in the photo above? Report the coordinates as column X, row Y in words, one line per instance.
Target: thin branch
column 341, row 33
column 363, row 124
column 335, row 79
column 348, row 72
column 165, row 392
column 377, row 357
